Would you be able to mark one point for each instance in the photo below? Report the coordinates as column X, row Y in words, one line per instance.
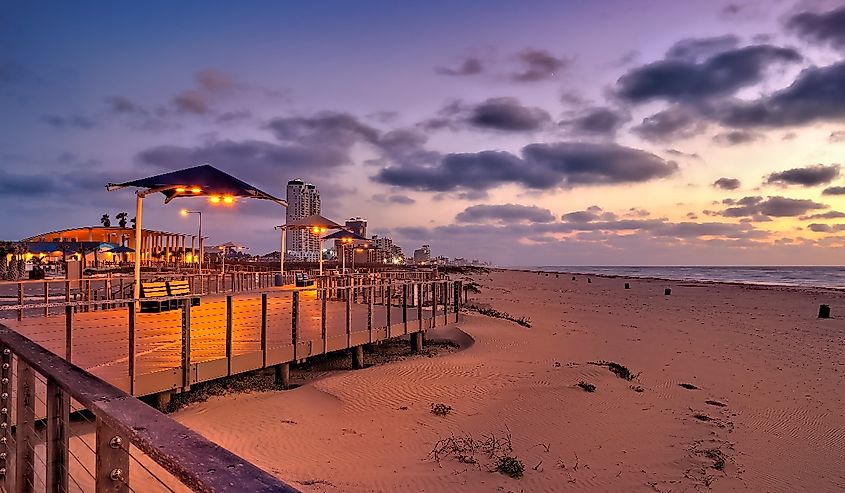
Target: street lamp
column 343, row 242
column 185, row 212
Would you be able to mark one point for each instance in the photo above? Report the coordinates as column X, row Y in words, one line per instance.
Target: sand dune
column 766, row 415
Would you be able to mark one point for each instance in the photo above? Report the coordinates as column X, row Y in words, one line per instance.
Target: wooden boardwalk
column 100, row 339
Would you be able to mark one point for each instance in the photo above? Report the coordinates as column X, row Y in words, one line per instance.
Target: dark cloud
column 394, row 199
column 808, row 176
column 772, row 206
column 196, row 102
column 818, row 94
column 824, row 215
column 507, row 114
column 596, row 121
column 826, row 28
column 69, row 121
column 326, row 128
column 470, row 66
column 122, row 105
column 670, row 124
column 537, row 65
column 819, row 228
column 593, row 213
column 676, row 152
column 834, row 191
column 696, row 49
column 214, row 81
column 540, row 166
column 727, row 183
column 720, row 75
column 737, row 137
column 505, row 213
column 251, row 159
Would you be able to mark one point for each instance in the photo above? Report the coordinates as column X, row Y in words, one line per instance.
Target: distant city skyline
column 621, row 132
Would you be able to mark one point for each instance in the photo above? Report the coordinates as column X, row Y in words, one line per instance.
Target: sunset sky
column 635, row 132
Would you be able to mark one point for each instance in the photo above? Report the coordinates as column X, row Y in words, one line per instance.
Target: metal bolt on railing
column 115, row 442
column 116, row 474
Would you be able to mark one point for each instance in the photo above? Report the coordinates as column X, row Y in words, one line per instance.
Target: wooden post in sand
column 627, row 286
column 281, row 375
column 824, row 311
column 416, row 342
column 667, row 291
column 228, row 332
column 358, row 357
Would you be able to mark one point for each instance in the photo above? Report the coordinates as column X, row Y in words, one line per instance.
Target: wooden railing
column 95, row 437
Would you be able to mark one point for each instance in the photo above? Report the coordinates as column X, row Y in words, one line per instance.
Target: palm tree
column 133, row 222
column 121, row 219
column 105, row 220
column 4, row 251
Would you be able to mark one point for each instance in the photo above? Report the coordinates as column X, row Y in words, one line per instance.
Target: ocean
column 816, row 276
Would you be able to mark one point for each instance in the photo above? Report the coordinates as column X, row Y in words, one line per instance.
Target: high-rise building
column 422, row 255
column 357, row 225
column 303, row 200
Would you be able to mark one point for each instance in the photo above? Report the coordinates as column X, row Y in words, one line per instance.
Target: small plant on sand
column 495, row 453
column 688, row 386
column 637, row 388
column 510, row 466
column 492, row 312
column 617, row 369
column 588, row 387
column 440, row 409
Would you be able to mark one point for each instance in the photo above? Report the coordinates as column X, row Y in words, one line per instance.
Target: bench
column 302, row 280
column 150, row 291
column 180, row 288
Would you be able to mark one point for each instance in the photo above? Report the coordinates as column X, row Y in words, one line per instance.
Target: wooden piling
column 358, row 357
column 824, row 311
column 281, row 375
column 627, row 285
column 667, row 291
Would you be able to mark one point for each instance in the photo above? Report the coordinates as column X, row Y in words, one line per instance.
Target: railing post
column 294, row 316
column 229, row 330
column 370, row 312
column 69, row 333
column 405, row 307
column 186, row 344
column 388, row 303
column 323, row 332
column 433, row 304
column 20, row 301
column 445, row 295
column 46, row 298
column 57, row 437
column 25, row 437
column 112, row 468
column 6, row 399
column 420, row 304
column 348, row 317
column 456, row 299
column 131, row 313
column 263, row 330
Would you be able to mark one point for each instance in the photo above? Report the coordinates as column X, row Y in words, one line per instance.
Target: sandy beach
column 765, row 414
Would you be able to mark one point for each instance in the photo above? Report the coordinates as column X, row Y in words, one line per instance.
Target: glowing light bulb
column 228, row 199
column 214, row 199
column 196, row 190
column 184, row 212
column 180, row 190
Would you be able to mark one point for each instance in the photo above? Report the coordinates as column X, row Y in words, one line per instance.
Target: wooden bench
column 150, row 291
column 180, row 288
column 302, row 280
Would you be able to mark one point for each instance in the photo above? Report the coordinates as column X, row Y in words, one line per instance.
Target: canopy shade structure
column 199, row 181
column 344, row 234
column 312, row 221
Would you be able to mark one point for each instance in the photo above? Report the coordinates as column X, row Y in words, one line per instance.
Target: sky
column 620, row 132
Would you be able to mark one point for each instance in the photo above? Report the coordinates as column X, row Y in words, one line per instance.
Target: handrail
column 198, row 463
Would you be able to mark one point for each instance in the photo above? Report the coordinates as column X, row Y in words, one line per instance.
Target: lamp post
column 185, row 212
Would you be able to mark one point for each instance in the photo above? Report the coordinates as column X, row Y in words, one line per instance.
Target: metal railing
column 151, row 353
column 63, row 429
